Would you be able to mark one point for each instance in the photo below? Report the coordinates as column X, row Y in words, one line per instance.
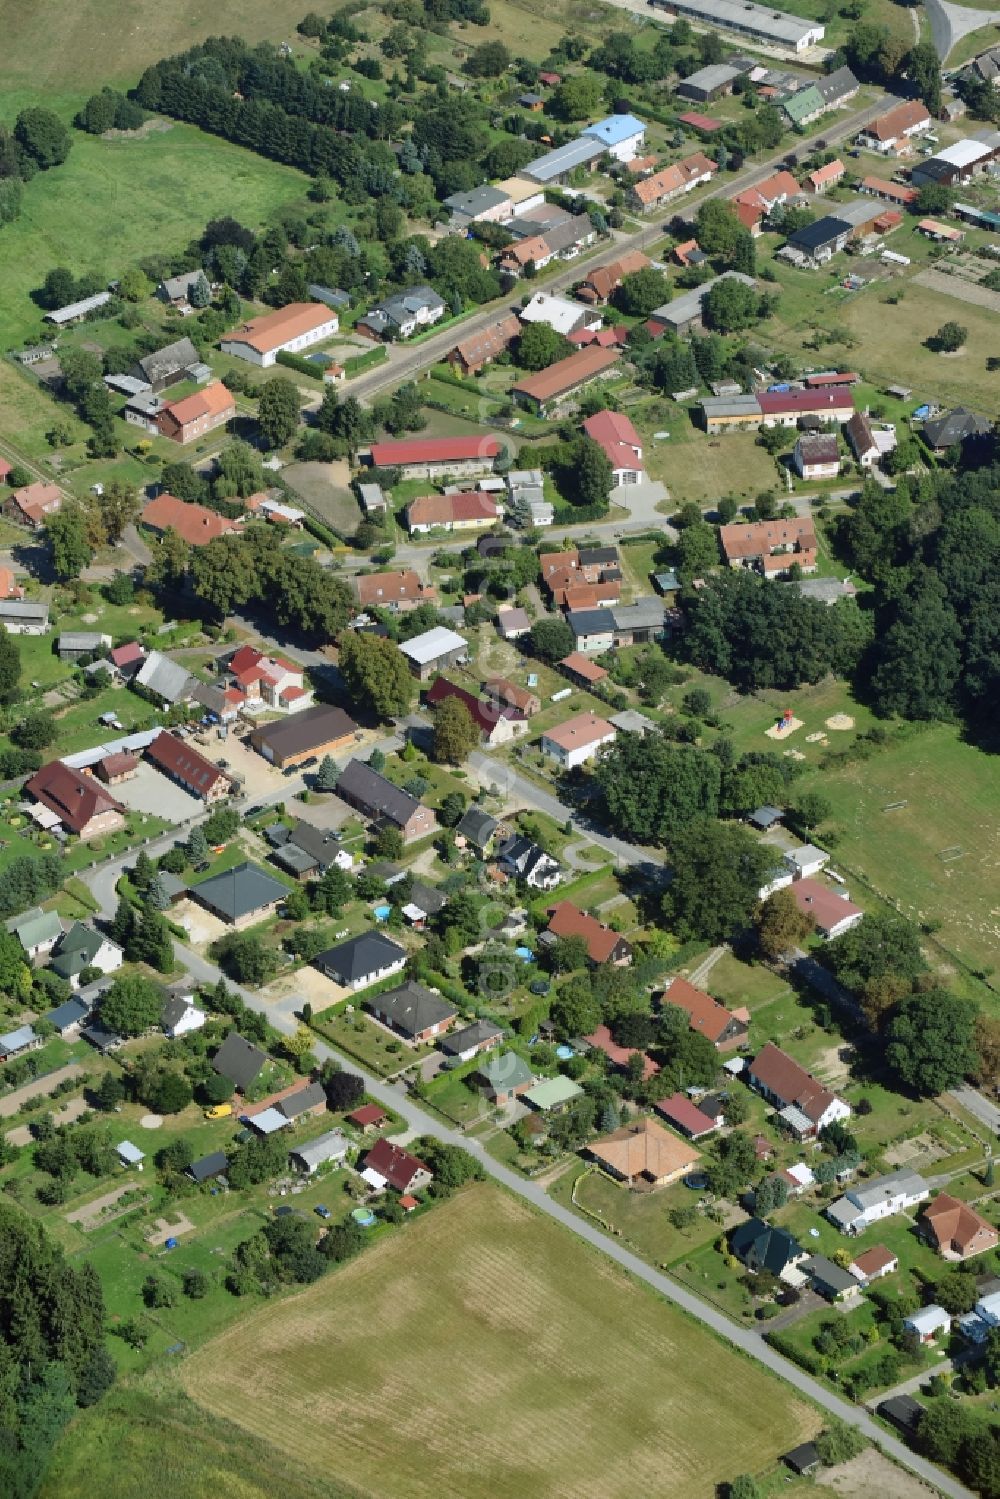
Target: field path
column 963, row 291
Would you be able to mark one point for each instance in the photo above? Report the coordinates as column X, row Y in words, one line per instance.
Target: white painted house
column 881, row 1197
column 622, row 136
column 577, row 740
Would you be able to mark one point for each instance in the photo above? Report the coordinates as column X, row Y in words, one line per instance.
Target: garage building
column 318, row 731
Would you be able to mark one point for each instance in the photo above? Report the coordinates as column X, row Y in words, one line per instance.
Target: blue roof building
column 622, row 135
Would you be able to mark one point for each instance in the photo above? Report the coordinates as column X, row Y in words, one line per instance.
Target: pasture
column 113, row 202
column 481, row 1319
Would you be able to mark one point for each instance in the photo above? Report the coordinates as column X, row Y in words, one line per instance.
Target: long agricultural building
column 757, row 22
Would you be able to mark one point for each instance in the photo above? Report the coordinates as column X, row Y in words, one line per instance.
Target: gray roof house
column 331, row 295
column 376, row 798
column 177, row 288
column 168, row 680
column 954, row 427
column 240, row 895
column 333, row 1146
column 401, row 315
column 169, row 364
column 209, row 1167
column 521, row 857
column 24, row 616
column 239, row 1060
column 70, row 1016
column 71, row 645
column 415, row 1013
column 363, row 960
column 762, row 1247
column 477, row 828
column 829, row 1279
column 481, row 1035
column 868, row 1202
column 37, row 931
column 312, row 1096
column 465, row 207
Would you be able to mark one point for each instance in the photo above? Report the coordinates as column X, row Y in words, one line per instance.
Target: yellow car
column 219, row 1111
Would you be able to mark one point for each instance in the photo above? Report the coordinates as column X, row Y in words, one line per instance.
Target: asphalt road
column 949, row 23
column 979, row 1107
column 407, row 360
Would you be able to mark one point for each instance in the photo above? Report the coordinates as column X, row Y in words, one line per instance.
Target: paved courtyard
column 151, row 791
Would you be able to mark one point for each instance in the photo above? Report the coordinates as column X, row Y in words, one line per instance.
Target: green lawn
column 113, row 202
column 739, row 984
column 641, row 1218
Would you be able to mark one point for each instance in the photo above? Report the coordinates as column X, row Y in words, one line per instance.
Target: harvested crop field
column 481, row 1352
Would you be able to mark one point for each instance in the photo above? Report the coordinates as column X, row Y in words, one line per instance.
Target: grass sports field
column 513, row 1360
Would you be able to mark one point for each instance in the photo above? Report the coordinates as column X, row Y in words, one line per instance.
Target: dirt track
column 963, row 291
column 14, row 1102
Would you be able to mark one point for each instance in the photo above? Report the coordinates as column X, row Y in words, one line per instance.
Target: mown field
column 153, row 1439
column 513, row 1361
column 53, row 48
column 113, row 202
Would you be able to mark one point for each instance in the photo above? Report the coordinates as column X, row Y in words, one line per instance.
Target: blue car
column 324, row 1212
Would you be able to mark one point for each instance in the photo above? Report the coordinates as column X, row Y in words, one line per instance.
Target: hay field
column 483, row 1353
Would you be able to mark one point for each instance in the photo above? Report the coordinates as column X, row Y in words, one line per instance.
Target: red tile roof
column 833, row 377
column 697, row 121
column 824, row 905
column 117, row 765
column 748, row 539
column 397, row 1165
column 890, row 126
column 680, row 1111
column 832, row 172
column 874, row 1260
column 705, row 1014
column 567, row 374
column 385, row 588
column 74, row 798
column 36, row 501
column 618, row 438
column 567, row 920
column 602, row 1040
column 369, row 1113
column 275, row 329
column 451, row 509
column 895, row 192
column 182, row 761
column 581, row 666
column 193, row 523
column 955, row 1225
column 484, row 714
column 124, row 655
column 804, row 402
column 672, row 179
column 433, row 450
column 789, row 1083
column 213, row 400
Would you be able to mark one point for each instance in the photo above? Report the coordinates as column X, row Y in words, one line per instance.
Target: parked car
column 324, row 1212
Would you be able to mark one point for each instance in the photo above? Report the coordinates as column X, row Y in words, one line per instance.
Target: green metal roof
column 552, row 1092
column 806, row 102
column 505, row 1070
column 36, row 927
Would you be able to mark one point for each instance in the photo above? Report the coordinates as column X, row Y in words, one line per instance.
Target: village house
column 437, row 457
column 480, row 349
column 468, row 511
column 770, row 547
column 270, row 681
column 881, row 1197
column 521, row 698
column 816, row 457
column 471, row 1041
column 621, row 444
column 476, row 830
column 81, row 948
column 32, row 505
column 872, row 1264
column 176, row 290
column 382, row 803
column 831, row 910
column 597, row 286
column 928, row 1324
column 683, row 314
column 291, row 329
column 513, row 623
column 312, row 734
column 496, row 725
column 186, row 766
column 650, row 193
column 398, row 592
column 774, row 191
column 522, row 859
column 889, row 134
column 76, row 801
column 362, row 961
column 193, row 523
column 17, row 1042
column 823, row 178
column 725, row 1029
column 326, row 1149
column 644, row 1155
column 581, row 671
column 504, row 1076
column 239, row 1061
column 760, row 1246
column 955, row 1229
column 829, row 1280
column 396, row 1167
column 620, row 1057
column 603, row 945
column 804, row 1104
column 37, row 931
column 196, row 415
column 180, row 1015
column 621, row 135
column 577, row 740
column 402, row 315
column 680, row 1112
column 413, row 1012
column 20, row 616
column 868, row 444
column 240, row 896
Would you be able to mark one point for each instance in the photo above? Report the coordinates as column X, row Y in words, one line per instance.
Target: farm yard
column 484, row 1319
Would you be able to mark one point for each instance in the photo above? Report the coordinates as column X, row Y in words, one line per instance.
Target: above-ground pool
column 364, row 1216
column 565, row 1052
column 525, row 954
column 382, row 913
